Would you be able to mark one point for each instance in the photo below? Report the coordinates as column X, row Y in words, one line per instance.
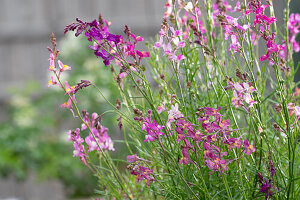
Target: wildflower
column 152, row 128
column 266, row 186
column 186, row 158
column 63, row 67
column 98, row 136
column 69, row 89
column 271, row 168
column 248, row 148
column 234, row 142
column 52, row 62
column 160, row 109
column 52, row 81
column 173, row 114
column 133, row 158
column 169, row 7
column 235, row 45
column 81, row 85
column 294, row 26
column 79, row 149
column 242, row 92
column 142, row 173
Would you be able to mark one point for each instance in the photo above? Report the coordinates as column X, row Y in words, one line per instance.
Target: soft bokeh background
column 35, row 159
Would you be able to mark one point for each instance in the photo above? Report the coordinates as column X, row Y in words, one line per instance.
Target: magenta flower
column 52, row 62
column 69, row 89
column 52, row 81
column 249, row 149
column 133, row 158
column 153, row 129
column 234, row 142
column 185, row 156
column 63, row 67
column 79, row 149
column 98, row 138
column 294, row 29
column 266, row 186
column 242, row 93
column 235, row 45
column 142, row 173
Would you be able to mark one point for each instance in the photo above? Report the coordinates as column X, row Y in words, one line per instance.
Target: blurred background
column 36, row 161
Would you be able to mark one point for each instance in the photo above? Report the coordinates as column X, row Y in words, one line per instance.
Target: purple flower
column 248, row 148
column 152, row 128
column 242, row 93
column 271, row 168
column 142, row 173
column 79, row 149
column 186, row 158
column 133, row 158
column 294, row 28
column 266, row 186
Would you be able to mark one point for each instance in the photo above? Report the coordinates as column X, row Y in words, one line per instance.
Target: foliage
column 33, row 134
column 205, row 114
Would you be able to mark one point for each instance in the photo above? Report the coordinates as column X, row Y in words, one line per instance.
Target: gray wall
column 27, row 24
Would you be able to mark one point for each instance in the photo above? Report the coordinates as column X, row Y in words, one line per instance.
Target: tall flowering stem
column 203, row 109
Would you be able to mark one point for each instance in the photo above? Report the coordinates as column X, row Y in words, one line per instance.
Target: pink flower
column 180, row 57
column 297, row 111
column 186, row 158
column 242, row 92
column 52, row 81
column 63, row 67
column 69, row 89
column 234, row 142
column 133, row 158
column 235, row 45
column 67, row 104
column 248, row 148
column 52, row 63
column 142, row 173
column 294, row 28
column 160, row 109
column 77, row 144
column 152, row 128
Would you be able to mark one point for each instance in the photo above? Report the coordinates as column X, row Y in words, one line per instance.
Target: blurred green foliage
column 33, row 135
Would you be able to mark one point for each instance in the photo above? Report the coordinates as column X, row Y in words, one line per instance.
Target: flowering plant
column 204, row 115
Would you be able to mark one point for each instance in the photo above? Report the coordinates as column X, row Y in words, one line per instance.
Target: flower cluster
column 173, row 42
column 79, row 149
column 294, row 26
column 97, row 31
column 214, row 131
column 242, row 93
column 154, row 131
column 230, row 25
column 55, row 79
column 138, row 170
column 267, row 184
column 96, row 139
column 218, row 130
column 262, row 23
column 111, row 47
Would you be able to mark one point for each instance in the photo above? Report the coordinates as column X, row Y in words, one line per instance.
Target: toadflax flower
column 152, row 128
column 242, row 93
column 79, row 149
column 142, row 173
column 249, row 148
column 98, row 136
column 214, row 134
